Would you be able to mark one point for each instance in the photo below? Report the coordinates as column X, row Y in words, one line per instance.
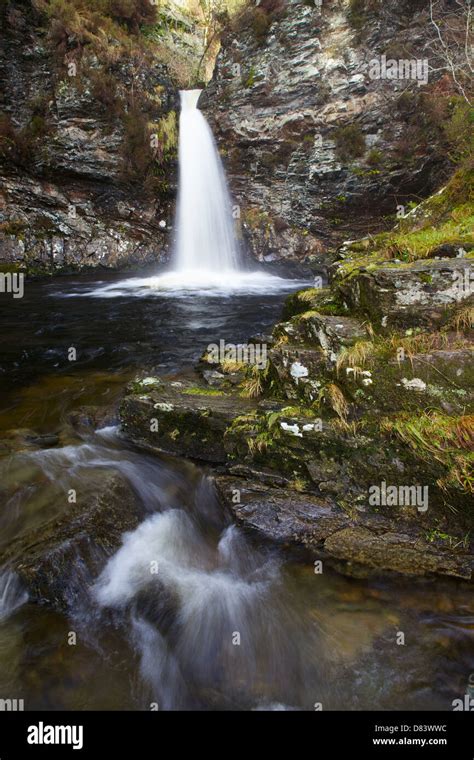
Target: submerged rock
column 58, row 561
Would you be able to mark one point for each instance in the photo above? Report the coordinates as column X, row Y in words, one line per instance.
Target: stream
column 227, row 623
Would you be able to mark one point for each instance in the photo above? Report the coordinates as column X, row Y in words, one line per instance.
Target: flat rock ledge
column 328, row 517
column 357, row 546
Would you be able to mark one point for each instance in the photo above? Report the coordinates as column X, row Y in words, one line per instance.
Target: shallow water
column 190, row 612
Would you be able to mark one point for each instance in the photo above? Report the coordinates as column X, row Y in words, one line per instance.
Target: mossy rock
column 322, row 300
column 425, row 294
column 182, row 418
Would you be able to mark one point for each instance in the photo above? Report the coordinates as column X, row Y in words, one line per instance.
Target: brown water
column 303, row 638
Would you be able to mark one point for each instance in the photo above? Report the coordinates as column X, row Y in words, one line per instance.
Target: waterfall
column 207, row 256
column 205, row 230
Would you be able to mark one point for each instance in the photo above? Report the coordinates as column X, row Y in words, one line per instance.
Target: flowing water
column 226, row 622
column 190, row 612
column 205, row 233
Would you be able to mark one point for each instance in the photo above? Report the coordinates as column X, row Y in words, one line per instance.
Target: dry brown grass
column 355, row 356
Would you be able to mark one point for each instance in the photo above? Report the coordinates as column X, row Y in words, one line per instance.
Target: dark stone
column 58, row 561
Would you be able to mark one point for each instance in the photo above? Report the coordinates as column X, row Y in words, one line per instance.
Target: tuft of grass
column 259, row 444
column 333, row 396
column 228, row 366
column 462, row 320
column 253, row 385
column 412, row 246
column 434, row 436
column 299, row 484
column 306, row 296
column 349, row 428
column 421, row 343
column 355, row 356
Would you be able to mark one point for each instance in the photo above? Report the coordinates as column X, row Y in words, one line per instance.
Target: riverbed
column 224, row 623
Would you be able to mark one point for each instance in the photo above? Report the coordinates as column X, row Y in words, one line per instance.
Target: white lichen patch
column 163, row 406
column 149, row 381
column 292, row 429
column 297, row 371
column 416, row 384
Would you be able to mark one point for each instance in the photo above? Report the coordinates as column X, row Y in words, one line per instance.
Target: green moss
column 446, row 218
column 11, row 268
column 458, row 230
column 311, row 300
column 198, row 391
column 166, row 130
column 249, row 82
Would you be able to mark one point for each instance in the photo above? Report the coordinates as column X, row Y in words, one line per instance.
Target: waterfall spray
column 205, row 230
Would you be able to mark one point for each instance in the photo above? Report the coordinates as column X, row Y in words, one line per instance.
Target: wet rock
column 331, row 333
column 406, row 553
column 182, row 418
column 425, row 293
column 278, row 106
column 213, row 378
column 411, row 383
column 59, row 560
column 279, row 514
column 298, row 369
column 68, row 203
column 44, row 441
column 366, row 544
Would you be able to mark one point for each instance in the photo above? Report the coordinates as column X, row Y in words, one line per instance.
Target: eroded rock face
column 69, row 202
column 424, row 294
column 278, row 103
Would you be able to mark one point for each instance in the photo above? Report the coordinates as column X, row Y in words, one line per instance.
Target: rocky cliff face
column 88, row 134
column 317, row 149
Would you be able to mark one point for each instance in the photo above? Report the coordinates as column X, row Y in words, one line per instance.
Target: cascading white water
column 205, row 232
column 207, row 256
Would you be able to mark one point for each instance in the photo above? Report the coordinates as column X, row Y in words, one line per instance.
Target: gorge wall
column 88, row 131
column 316, row 150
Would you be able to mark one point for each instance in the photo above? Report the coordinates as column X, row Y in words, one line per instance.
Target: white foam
column 196, row 282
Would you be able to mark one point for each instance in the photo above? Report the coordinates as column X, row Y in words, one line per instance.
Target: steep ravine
column 316, row 150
